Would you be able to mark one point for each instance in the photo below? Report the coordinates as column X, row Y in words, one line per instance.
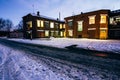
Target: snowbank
column 91, row 44
column 18, row 65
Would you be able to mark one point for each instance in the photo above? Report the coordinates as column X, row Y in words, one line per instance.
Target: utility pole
column 59, row 16
column 33, row 8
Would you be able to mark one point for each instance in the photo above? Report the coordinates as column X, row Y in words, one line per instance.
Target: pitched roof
column 45, row 17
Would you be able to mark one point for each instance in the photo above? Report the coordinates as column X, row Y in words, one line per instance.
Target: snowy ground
column 91, row 44
column 21, row 65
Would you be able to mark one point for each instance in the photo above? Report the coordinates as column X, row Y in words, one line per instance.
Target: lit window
column 60, row 26
column 64, row 26
column 103, row 18
column 111, row 20
column 92, row 19
column 70, row 32
column 61, row 33
column 51, row 25
column 29, row 24
column 47, row 33
column 40, row 23
column 80, row 25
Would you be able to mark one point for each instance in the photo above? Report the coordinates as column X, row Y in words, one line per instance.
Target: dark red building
column 95, row 24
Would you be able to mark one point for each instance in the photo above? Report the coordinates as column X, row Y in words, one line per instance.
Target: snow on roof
column 116, row 11
column 46, row 17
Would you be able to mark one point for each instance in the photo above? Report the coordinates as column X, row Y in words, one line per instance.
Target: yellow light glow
column 38, row 23
column 51, row 25
column 42, row 23
column 92, row 19
column 70, row 32
column 103, row 18
column 103, row 34
column 46, row 33
column 61, row 33
column 60, row 26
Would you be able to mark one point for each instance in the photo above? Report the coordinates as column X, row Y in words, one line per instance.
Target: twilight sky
column 16, row 9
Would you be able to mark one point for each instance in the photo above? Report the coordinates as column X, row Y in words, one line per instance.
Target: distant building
column 39, row 26
column 4, row 33
column 16, row 34
column 100, row 24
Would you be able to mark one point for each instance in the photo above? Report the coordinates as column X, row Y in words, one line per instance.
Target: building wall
column 40, row 32
column 89, row 30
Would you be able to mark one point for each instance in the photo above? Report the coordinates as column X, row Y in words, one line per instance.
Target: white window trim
column 91, row 28
column 100, row 18
column 103, row 28
column 82, row 24
column 90, row 17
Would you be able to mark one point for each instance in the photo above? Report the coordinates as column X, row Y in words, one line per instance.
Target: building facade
column 95, row 25
column 39, row 26
column 114, row 25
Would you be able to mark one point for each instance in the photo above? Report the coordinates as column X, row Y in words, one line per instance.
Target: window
column 92, row 19
column 70, row 23
column 51, row 25
column 52, row 33
column 56, row 33
column 46, row 33
column 70, row 32
column 111, row 20
column 60, row 26
column 29, row 24
column 64, row 26
column 80, row 25
column 103, row 18
column 47, row 24
column 56, row 25
column 40, row 23
column 61, row 33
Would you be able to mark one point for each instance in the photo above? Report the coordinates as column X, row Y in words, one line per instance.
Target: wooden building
column 95, row 25
column 114, row 25
column 39, row 26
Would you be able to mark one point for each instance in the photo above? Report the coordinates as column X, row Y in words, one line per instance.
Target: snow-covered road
column 91, row 44
column 23, row 64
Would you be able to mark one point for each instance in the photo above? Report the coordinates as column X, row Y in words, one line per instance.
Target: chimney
column 38, row 13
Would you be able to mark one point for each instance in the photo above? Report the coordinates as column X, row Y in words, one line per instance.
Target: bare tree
column 5, row 25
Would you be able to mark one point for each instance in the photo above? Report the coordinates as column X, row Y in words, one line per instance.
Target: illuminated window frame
column 80, row 25
column 70, row 32
column 51, row 24
column 40, row 23
column 92, row 19
column 46, row 33
column 61, row 26
column 103, row 18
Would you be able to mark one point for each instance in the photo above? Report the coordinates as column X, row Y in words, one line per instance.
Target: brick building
column 39, row 26
column 95, row 24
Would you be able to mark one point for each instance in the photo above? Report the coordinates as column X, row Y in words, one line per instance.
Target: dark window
column 70, row 23
column 56, row 25
column 47, row 24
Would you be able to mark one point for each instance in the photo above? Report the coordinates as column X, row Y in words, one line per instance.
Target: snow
column 91, row 44
column 17, row 65
column 22, row 65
